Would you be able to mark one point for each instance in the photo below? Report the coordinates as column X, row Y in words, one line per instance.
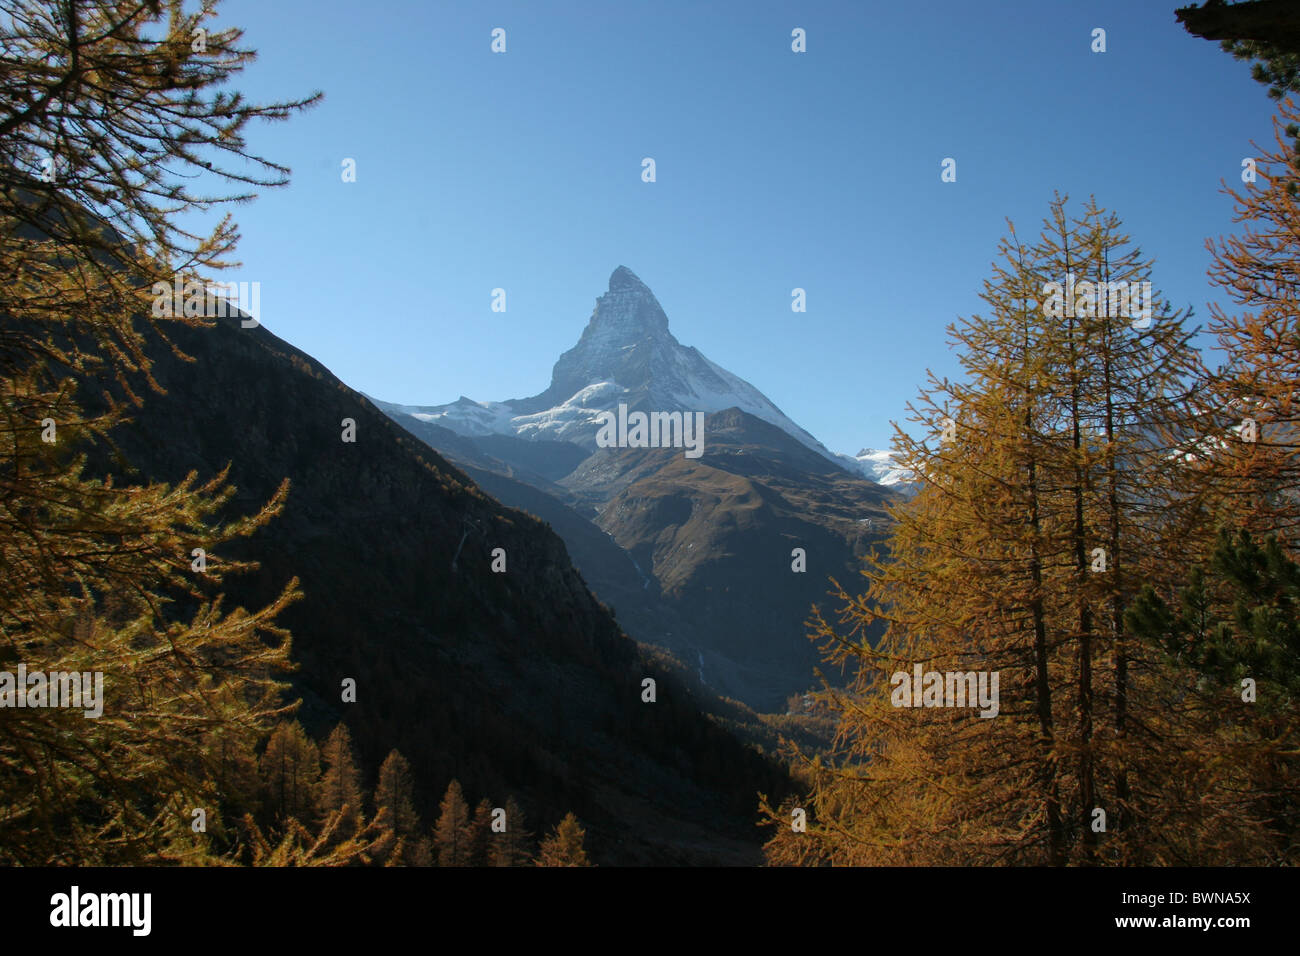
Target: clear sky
column 775, row 170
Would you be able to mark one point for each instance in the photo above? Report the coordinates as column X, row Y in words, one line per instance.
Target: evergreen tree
column 107, row 112
column 1237, row 621
column 564, row 845
column 1233, row 631
column 452, row 832
column 1265, row 33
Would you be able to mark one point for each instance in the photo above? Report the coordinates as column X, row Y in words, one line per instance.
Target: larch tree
column 334, row 843
column 395, row 809
column 513, row 846
column 1251, row 450
column 452, row 837
column 290, row 771
column 1038, row 478
column 1130, row 408
column 340, row 790
column 112, row 115
column 395, row 796
column 564, row 846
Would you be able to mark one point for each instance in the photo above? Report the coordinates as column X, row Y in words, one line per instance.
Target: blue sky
column 775, row 170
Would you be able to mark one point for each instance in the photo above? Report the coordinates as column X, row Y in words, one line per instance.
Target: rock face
column 626, row 342
column 709, row 540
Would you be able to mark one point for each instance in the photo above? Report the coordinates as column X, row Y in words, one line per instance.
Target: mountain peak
column 625, row 355
column 624, row 279
column 627, row 313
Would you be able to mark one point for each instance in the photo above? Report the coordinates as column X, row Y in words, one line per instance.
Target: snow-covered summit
column 626, row 354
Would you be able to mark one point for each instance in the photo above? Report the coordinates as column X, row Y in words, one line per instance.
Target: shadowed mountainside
column 516, row 682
